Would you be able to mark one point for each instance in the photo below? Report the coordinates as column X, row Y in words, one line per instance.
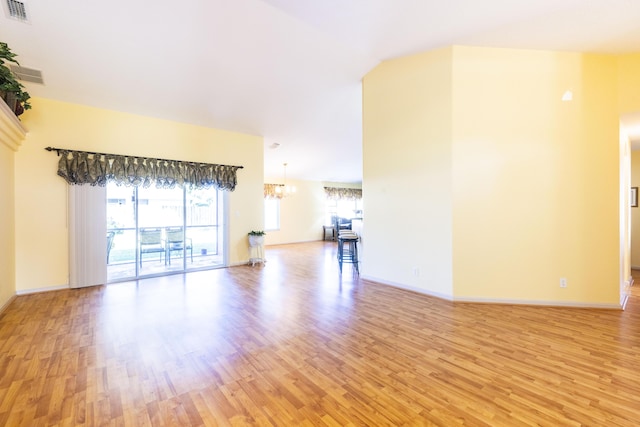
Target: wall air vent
column 27, row 74
column 17, row 10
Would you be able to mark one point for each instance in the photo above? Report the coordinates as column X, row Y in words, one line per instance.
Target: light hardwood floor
column 293, row 343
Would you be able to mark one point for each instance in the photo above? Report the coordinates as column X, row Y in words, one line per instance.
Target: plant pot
column 256, row 240
column 11, row 100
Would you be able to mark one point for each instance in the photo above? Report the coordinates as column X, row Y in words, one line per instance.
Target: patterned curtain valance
column 336, row 193
column 82, row 167
column 273, row 191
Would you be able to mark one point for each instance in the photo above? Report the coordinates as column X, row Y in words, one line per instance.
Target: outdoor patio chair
column 175, row 241
column 110, row 237
column 151, row 242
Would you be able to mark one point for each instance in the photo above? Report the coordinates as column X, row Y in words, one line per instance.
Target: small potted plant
column 256, row 238
column 11, row 90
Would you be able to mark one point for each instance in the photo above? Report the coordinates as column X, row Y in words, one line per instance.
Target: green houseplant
column 11, row 90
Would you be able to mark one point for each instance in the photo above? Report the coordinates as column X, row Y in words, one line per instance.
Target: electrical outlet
column 416, row 271
column 563, row 282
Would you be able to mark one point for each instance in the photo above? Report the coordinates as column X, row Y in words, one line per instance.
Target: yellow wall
column 7, row 220
column 301, row 215
column 629, row 92
column 500, row 188
column 536, row 179
column 41, row 196
column 407, row 180
column 527, row 185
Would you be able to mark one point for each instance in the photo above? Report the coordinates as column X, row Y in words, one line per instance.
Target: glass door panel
column 154, row 231
column 203, row 230
column 160, row 215
column 121, row 233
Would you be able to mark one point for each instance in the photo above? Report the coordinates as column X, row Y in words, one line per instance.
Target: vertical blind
column 87, row 236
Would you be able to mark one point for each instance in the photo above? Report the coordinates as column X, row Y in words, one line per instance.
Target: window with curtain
column 89, row 241
column 339, row 193
column 342, row 203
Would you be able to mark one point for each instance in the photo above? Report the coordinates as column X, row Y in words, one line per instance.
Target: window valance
column 338, row 193
column 273, row 191
column 83, row 167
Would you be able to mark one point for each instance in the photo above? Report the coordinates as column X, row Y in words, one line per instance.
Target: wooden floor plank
column 294, row 343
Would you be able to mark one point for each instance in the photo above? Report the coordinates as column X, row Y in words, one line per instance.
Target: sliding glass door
column 152, row 232
column 121, row 233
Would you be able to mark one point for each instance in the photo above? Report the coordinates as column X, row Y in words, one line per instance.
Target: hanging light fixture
column 283, row 189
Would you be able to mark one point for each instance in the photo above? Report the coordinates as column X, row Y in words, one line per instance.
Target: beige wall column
column 501, row 187
column 407, row 173
column 12, row 133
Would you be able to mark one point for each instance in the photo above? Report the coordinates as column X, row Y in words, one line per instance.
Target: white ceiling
column 288, row 70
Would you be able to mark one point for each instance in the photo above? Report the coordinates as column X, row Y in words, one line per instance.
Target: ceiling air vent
column 27, row 74
column 17, row 10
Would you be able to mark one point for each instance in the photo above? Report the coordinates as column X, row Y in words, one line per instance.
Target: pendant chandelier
column 285, row 190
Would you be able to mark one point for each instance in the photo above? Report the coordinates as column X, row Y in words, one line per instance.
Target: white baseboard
column 408, row 287
column 294, row 243
column 570, row 304
column 6, row 304
column 626, row 292
column 625, row 300
column 245, row 263
column 38, row 290
column 237, row 264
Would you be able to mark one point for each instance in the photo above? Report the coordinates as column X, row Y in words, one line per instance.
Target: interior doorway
column 630, row 217
column 154, row 232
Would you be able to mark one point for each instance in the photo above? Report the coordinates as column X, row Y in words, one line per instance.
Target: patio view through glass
column 152, row 231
